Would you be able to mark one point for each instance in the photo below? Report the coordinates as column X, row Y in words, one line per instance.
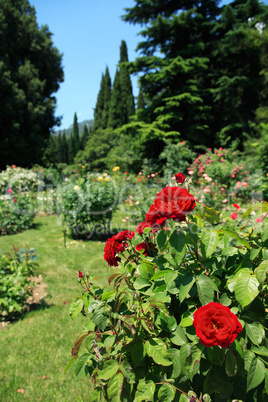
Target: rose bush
column 192, row 315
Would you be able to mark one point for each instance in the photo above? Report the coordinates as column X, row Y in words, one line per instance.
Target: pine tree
column 76, row 137
column 117, row 111
column 125, row 82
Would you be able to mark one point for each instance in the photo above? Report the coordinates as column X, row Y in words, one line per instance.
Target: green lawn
column 40, row 344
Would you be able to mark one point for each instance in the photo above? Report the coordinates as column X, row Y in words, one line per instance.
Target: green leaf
column 209, row 241
column 216, row 355
column 178, row 246
column 251, row 209
column 230, row 364
column 176, row 363
column 69, row 364
column 185, row 287
column 110, row 367
column 157, row 349
column 255, row 332
column 145, row 391
column 170, row 323
column 265, row 234
column 95, row 396
column 246, row 287
column 161, row 238
column 178, row 337
column 81, row 368
column 190, row 356
column 262, row 350
column 137, row 352
column 186, row 319
column 107, row 295
column 254, row 252
column 141, row 283
column 205, row 289
column 261, row 271
column 114, row 387
column 248, row 357
column 100, row 319
column 76, row 308
column 166, row 393
column 256, row 373
column 266, row 381
column 210, row 214
column 233, row 234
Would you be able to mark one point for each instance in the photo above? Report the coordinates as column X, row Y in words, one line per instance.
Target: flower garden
column 172, row 270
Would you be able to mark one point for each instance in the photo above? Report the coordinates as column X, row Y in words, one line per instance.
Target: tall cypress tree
column 76, row 137
column 117, row 110
column 85, row 137
column 125, row 82
column 71, row 149
column 106, row 98
column 65, row 157
column 140, row 100
column 98, row 111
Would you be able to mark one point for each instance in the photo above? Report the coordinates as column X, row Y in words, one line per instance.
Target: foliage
column 139, row 342
column 202, row 67
column 220, row 174
column 31, row 71
column 16, row 214
column 88, row 208
column 15, row 284
column 18, row 179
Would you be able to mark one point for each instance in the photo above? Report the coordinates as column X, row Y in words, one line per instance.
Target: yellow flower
column 44, row 192
column 104, row 174
column 99, row 178
column 76, row 188
column 107, row 179
column 116, row 168
column 83, row 167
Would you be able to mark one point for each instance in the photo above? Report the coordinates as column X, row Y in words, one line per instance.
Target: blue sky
column 89, row 34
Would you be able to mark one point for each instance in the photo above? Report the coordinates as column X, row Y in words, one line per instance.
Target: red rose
column 234, row 215
column 80, row 274
column 115, row 245
column 15, row 200
column 215, row 324
column 171, row 202
column 142, row 226
column 149, row 248
column 180, row 178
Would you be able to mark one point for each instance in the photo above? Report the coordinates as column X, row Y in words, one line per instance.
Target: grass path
column 40, row 344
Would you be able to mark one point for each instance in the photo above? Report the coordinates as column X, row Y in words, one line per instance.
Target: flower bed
column 185, row 310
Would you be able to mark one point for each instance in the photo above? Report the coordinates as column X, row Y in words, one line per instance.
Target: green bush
column 16, row 214
column 186, row 310
column 87, row 208
column 15, row 285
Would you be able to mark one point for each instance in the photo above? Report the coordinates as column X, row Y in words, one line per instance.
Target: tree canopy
column 31, row 71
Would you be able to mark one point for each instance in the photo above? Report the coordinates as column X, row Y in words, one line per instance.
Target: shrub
column 18, row 180
column 188, row 311
column 87, row 208
column 15, row 284
column 16, row 214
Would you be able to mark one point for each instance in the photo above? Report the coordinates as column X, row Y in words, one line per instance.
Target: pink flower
column 191, row 172
column 15, row 200
column 137, row 202
column 152, row 175
column 234, row 215
column 225, row 200
column 9, row 190
column 124, row 220
column 258, row 220
column 64, row 302
column 244, row 184
column 140, row 173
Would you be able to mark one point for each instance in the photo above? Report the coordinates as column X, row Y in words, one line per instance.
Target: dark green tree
column 106, row 98
column 98, row 111
column 71, row 149
column 76, row 137
column 85, row 137
column 117, row 111
column 125, row 81
column 140, row 101
column 31, row 71
column 65, row 158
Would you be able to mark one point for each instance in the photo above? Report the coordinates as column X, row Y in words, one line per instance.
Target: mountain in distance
column 68, row 131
